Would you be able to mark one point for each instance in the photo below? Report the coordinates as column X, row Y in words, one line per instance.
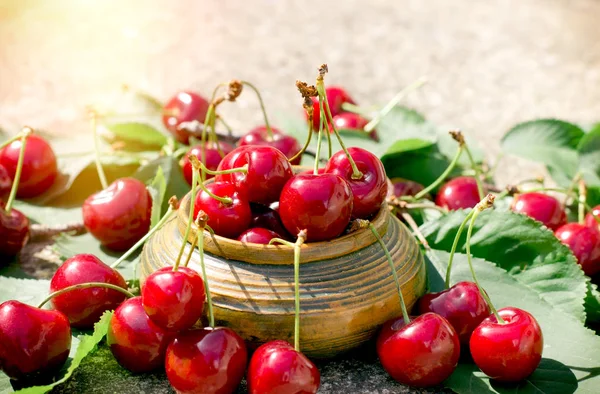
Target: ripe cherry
column 136, row 342
column 276, row 367
column 462, row 305
column 458, row 193
column 421, row 353
column 39, row 165
column 287, row 144
column 14, row 231
column 185, row 106
column 34, row 342
column 370, row 189
column 508, row 352
column 585, row 243
column 258, row 235
column 174, row 300
column 213, row 158
column 352, row 121
column 592, row 219
column 266, row 217
column 541, row 207
column 319, row 204
column 119, row 215
column 268, row 171
column 5, row 183
column 336, row 96
column 226, row 220
column 405, row 187
column 206, row 360
column 84, row 307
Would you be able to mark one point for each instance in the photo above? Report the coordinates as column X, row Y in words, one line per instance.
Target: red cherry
column 352, row 121
column 458, row 193
column 320, row 171
column 174, row 300
column 184, row 107
column 462, row 305
column 39, row 165
column 14, row 231
column 258, row 235
column 266, row 217
column 34, row 342
column 84, row 307
column 213, row 158
column 226, row 220
column 421, row 353
column 276, row 367
column 585, row 243
column 138, row 344
column 508, row 352
column 319, row 204
column 336, row 96
column 592, row 219
column 119, row 215
column 287, row 144
column 404, row 187
column 206, row 360
column 541, row 207
column 268, row 171
column 371, row 189
column 5, row 183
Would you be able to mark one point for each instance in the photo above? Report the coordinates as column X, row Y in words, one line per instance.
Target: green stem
column 211, row 313
column 355, row 109
column 393, row 102
column 226, row 125
column 297, row 294
column 99, row 167
column 189, row 255
column 426, row 206
column 394, row 273
column 319, row 137
column 10, row 140
column 454, row 245
column 85, row 286
column 326, row 125
column 243, row 169
column 307, row 143
column 442, row 177
column 190, row 217
column 15, row 185
column 207, row 121
column 581, row 202
column 477, row 172
column 262, row 107
column 223, row 200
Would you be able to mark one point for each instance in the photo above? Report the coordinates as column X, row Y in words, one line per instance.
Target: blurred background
column 490, row 63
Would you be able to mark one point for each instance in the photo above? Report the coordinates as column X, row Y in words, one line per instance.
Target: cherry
column 226, row 220
column 458, row 193
column 405, row 187
column 39, row 165
column 258, row 235
column 268, row 171
column 34, row 342
column 591, row 219
column 462, row 305
column 584, row 242
column 119, row 215
column 276, row 367
column 174, row 300
column 14, row 231
column 421, row 353
column 370, row 189
column 352, row 121
column 336, row 96
column 511, row 351
column 84, row 307
column 319, row 204
column 185, row 106
column 213, row 158
column 206, row 360
column 541, row 207
column 136, row 342
column 266, row 217
column 5, row 183
column 287, row 144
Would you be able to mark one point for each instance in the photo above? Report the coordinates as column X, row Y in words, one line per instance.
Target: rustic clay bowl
column 346, row 291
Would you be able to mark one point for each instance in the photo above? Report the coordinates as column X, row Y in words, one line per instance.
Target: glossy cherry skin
column 462, row 305
column 258, row 235
column 14, row 231
column 541, row 207
column 5, row 183
column 319, row 204
column 276, row 367
column 213, row 158
column 508, row 352
column 371, row 189
column 185, row 106
column 404, row 187
column 458, row 193
column 119, row 215
column 174, row 300
column 592, row 219
column 266, row 217
column 287, row 144
column 84, row 307
column 136, row 342
column 226, row 220
column 336, row 96
column 585, row 243
column 34, row 342
column 268, row 171
column 421, row 353
column 39, row 165
column 206, row 360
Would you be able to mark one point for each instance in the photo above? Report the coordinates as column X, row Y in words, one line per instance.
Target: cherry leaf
column 157, row 189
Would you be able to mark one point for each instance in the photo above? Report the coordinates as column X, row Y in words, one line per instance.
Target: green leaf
column 138, row 132
column 176, row 183
column 523, row 247
column 423, row 165
column 589, row 156
column 87, row 344
column 157, row 190
column 567, row 344
column 403, row 146
column 28, row 291
column 49, row 214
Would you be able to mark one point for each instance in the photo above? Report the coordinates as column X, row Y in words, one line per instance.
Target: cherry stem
column 243, row 169
column 86, row 286
column 325, row 124
column 393, row 102
column 319, row 137
column 13, row 190
column 572, row 185
column 208, row 120
column 201, row 221
column 307, row 143
column 581, row 201
column 10, row 141
column 454, row 245
column 442, row 177
column 394, row 273
column 99, row 168
column 355, row 109
column 476, row 169
column 262, row 107
column 188, row 227
column 426, row 206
